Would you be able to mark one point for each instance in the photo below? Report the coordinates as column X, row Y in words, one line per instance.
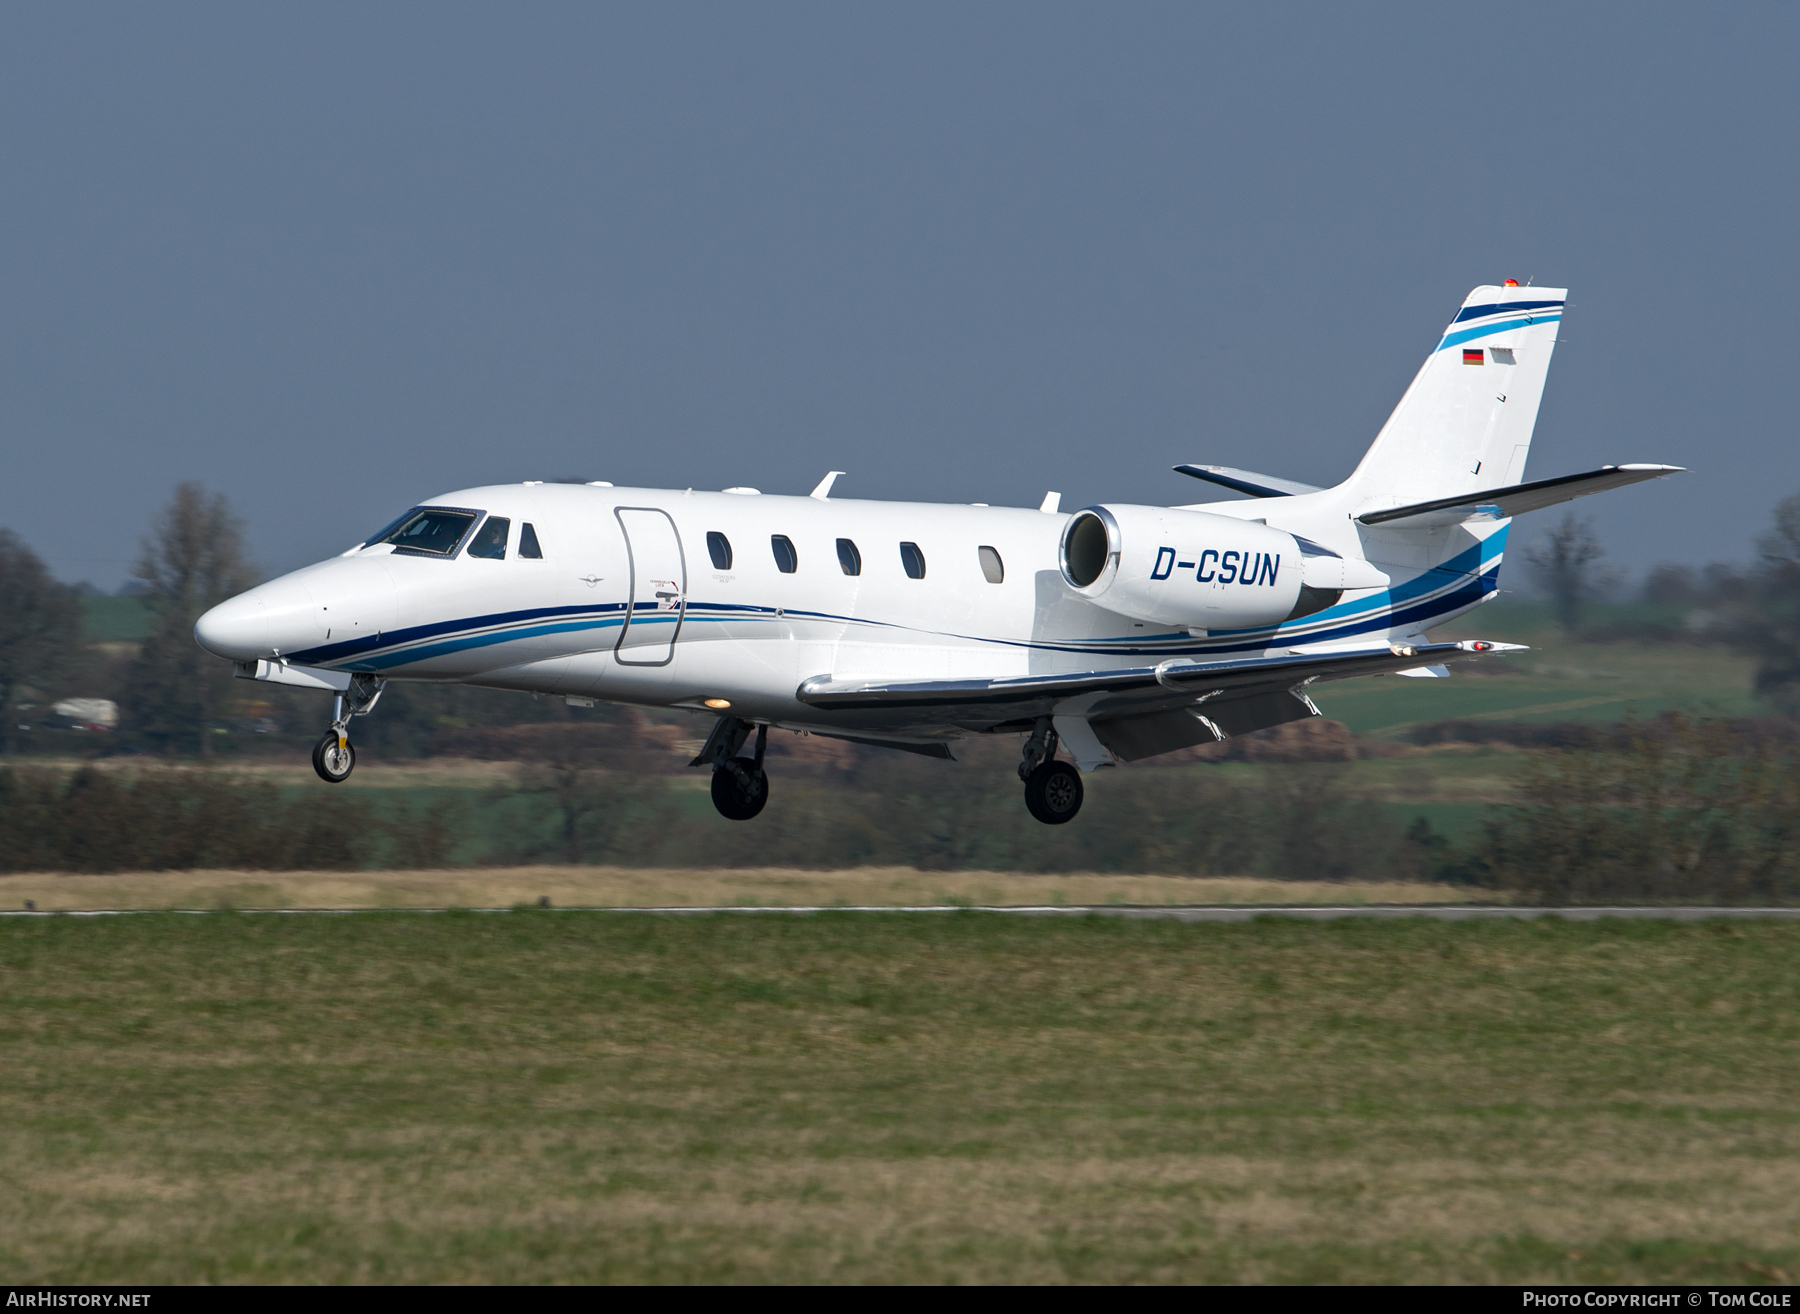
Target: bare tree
column 1780, row 547
column 1767, row 623
column 40, row 626
column 193, row 558
column 1565, row 559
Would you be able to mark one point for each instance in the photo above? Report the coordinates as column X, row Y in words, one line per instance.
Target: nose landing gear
column 740, row 786
column 334, row 756
column 1053, row 790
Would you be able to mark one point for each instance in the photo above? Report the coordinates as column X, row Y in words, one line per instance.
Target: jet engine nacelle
column 1187, row 568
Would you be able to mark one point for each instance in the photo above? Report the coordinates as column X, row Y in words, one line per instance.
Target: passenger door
column 658, row 596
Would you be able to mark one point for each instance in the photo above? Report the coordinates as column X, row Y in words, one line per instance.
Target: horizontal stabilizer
column 1246, row 481
column 1501, row 503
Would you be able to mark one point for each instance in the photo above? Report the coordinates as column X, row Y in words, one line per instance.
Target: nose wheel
column 334, row 758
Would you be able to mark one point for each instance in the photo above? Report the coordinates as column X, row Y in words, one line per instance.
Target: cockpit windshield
column 432, row 531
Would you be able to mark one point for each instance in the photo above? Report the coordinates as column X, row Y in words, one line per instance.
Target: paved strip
column 1179, row 913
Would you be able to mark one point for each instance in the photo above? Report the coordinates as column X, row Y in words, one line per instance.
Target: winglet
column 1051, row 503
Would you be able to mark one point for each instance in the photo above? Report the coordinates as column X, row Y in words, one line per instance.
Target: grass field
column 550, row 1097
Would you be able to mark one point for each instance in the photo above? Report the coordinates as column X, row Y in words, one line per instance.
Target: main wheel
column 733, row 801
column 1053, row 793
column 334, row 764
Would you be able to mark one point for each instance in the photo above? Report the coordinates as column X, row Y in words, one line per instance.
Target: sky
column 331, row 260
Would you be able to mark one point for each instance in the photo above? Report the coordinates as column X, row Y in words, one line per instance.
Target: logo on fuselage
column 1214, row 567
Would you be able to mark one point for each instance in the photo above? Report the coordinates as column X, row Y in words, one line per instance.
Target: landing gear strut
column 1053, row 790
column 334, row 756
column 740, row 786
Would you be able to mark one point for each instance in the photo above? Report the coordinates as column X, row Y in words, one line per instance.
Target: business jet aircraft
column 1115, row 633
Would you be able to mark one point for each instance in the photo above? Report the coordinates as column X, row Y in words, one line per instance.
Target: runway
column 1215, row 913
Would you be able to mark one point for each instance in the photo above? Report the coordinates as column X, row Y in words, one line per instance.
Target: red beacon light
column 1511, row 282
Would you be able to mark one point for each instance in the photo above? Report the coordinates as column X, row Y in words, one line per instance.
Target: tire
column 334, row 767
column 730, row 798
column 1053, row 793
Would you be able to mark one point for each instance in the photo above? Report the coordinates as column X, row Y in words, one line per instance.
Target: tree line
column 1753, row 607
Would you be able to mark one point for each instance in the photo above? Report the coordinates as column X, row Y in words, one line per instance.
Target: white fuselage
column 627, row 605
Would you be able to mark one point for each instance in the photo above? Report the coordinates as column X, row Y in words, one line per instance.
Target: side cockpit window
column 528, row 544
column 428, row 531
column 490, row 540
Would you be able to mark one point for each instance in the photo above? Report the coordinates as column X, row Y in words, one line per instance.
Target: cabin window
column 718, row 547
column 430, row 531
column 992, row 568
column 786, row 559
column 490, row 541
column 849, row 558
column 913, row 560
column 528, row 544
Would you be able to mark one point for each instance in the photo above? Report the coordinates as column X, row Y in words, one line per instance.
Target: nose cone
column 270, row 620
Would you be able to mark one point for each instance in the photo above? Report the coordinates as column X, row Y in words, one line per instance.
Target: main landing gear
column 740, row 786
column 1053, row 790
column 334, row 756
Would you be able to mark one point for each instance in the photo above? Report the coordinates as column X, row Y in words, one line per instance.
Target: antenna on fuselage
column 823, row 491
column 1051, row 504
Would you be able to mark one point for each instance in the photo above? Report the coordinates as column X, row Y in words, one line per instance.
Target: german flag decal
column 1471, row 355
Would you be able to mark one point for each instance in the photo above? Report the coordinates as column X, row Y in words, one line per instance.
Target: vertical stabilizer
column 1465, row 423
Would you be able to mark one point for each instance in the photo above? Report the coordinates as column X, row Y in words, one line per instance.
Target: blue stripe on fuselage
column 392, row 659
column 326, row 654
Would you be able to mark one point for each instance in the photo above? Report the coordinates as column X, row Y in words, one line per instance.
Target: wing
column 1499, row 503
column 1136, row 691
